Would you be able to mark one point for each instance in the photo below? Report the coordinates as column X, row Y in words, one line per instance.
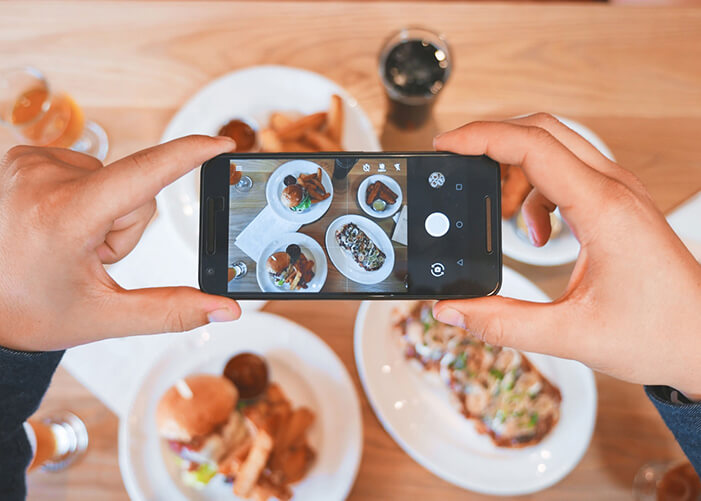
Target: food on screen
column 258, row 443
column 321, row 131
column 290, row 270
column 498, row 388
column 302, row 192
column 379, row 196
column 360, row 247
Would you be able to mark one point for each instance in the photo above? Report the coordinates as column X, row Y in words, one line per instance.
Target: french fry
column 297, row 147
column 270, row 141
column 251, row 468
column 279, row 120
column 334, row 123
column 321, row 141
column 300, row 127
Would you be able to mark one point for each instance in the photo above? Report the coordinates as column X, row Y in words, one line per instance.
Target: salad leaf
column 496, row 373
column 534, row 420
column 304, row 204
column 200, row 477
column 460, row 361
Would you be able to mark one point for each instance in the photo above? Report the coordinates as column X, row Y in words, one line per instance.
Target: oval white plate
column 391, row 184
column 310, row 374
column 310, row 248
column 275, row 185
column 420, row 417
column 562, row 249
column 252, row 93
column 342, row 260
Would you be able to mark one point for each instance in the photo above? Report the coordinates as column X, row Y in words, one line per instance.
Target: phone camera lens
column 210, row 271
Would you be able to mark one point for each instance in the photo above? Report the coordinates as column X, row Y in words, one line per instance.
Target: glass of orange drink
column 41, row 117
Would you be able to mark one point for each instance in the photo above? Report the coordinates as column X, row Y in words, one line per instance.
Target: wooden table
column 631, row 74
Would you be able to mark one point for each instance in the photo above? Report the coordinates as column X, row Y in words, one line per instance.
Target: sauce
column 249, row 373
column 241, row 132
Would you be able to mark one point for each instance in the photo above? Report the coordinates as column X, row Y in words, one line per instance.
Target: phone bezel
column 215, row 184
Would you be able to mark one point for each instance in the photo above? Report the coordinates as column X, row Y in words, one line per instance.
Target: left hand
column 63, row 216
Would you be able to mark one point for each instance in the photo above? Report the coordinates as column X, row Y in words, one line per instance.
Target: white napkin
column 686, row 222
column 114, row 369
column 259, row 232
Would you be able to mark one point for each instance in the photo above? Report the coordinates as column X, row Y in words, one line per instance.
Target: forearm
column 683, row 417
column 24, row 378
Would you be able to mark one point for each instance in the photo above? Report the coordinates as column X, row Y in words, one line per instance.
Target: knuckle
column 540, row 135
column 175, row 321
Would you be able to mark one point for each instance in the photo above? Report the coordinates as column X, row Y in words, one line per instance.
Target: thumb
column 508, row 322
column 168, row 309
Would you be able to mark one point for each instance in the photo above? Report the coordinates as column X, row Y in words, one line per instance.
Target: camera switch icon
column 437, row 270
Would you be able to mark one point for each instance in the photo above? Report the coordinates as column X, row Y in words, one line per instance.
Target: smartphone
column 346, row 225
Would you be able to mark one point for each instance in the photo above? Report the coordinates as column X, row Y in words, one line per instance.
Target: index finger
column 132, row 181
column 549, row 166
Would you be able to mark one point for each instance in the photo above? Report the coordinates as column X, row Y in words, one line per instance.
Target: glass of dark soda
column 415, row 64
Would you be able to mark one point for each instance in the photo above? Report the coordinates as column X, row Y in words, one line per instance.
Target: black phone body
column 435, row 233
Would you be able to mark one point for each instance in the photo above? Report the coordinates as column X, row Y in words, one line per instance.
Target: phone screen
column 361, row 225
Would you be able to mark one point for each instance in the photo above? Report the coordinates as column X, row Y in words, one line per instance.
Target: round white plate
column 562, row 249
column 419, row 415
column 391, row 184
column 252, row 93
column 275, row 185
column 310, row 374
column 310, row 248
column 345, row 263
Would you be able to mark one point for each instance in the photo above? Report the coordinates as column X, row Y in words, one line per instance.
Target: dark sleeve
column 683, row 417
column 24, row 378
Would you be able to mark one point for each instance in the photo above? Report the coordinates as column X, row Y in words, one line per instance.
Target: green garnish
column 304, row 204
column 280, row 283
column 533, row 421
column 200, row 477
column 460, row 362
column 496, row 373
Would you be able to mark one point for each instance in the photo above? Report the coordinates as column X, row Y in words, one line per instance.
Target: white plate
column 309, row 372
column 275, row 185
column 252, row 93
column 310, row 248
column 420, row 417
column 345, row 263
column 562, row 249
column 391, row 184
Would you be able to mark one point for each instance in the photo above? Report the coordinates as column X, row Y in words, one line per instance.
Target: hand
column 632, row 306
column 62, row 217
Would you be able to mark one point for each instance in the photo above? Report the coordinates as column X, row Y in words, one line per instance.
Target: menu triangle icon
column 460, row 262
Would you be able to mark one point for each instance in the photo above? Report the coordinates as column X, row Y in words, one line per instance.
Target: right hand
column 632, row 307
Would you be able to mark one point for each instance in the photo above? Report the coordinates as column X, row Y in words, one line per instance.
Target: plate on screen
column 252, row 93
column 419, row 415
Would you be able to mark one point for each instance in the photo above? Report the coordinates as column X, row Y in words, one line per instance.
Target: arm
column 631, row 307
column 63, row 216
column 24, row 377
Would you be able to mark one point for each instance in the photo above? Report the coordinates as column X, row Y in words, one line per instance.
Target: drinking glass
column 56, row 440
column 667, row 481
column 41, row 117
column 414, row 66
column 237, row 179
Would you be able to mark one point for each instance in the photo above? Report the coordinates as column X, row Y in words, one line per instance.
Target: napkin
column 259, row 232
column 114, row 369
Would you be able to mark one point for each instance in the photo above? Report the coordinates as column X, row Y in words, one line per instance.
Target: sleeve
column 24, row 378
column 683, row 417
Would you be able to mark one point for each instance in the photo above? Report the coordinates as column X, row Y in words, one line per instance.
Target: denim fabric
column 683, row 418
column 24, row 378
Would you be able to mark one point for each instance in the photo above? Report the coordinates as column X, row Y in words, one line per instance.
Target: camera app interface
column 307, row 226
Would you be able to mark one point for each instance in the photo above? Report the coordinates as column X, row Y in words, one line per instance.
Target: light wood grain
column 631, row 74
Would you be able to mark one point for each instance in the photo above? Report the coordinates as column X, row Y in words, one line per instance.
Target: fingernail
column 227, row 138
column 435, row 139
column 531, row 236
column 221, row 315
column 451, row 317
